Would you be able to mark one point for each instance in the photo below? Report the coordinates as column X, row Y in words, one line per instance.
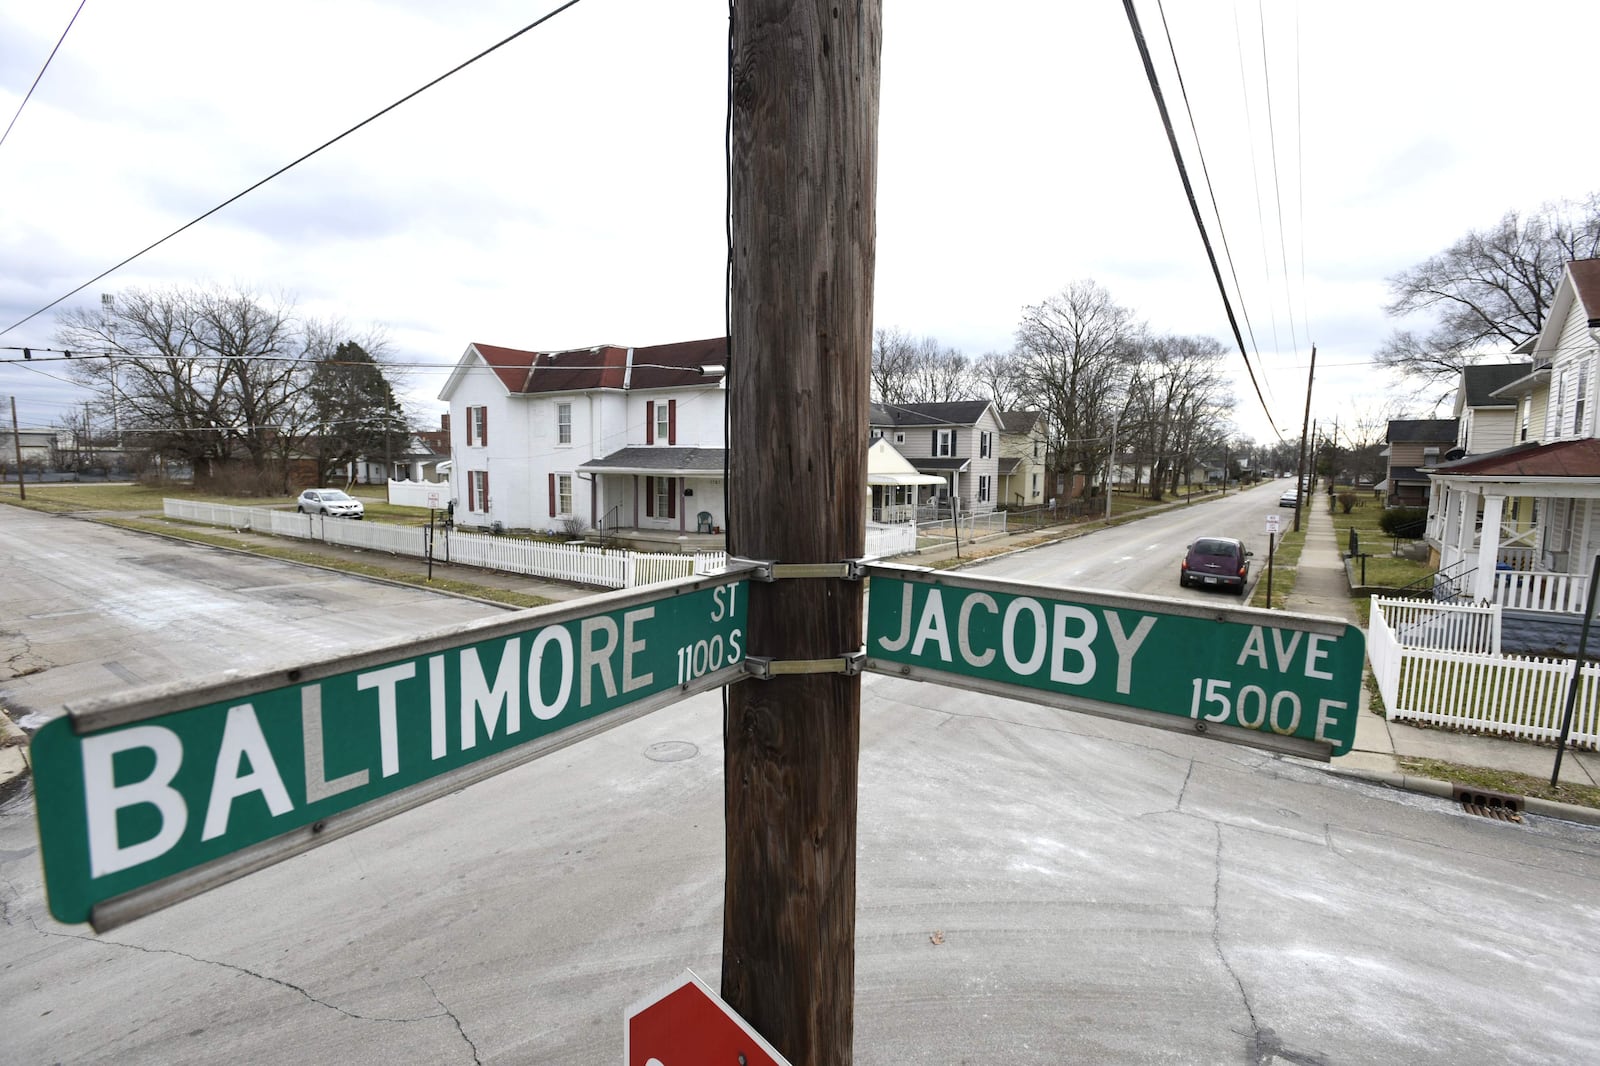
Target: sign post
column 1286, row 683
column 149, row 800
column 1272, row 549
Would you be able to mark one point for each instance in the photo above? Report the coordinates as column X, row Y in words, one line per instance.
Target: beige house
column 1022, row 470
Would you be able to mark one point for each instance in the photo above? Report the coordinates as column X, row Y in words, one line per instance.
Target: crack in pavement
column 245, row 971
column 29, row 663
column 452, row 1016
column 1216, row 942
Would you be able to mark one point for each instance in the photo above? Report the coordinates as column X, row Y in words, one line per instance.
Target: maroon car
column 1216, row 561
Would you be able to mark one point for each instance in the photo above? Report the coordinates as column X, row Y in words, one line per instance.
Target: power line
column 289, row 166
column 29, row 95
column 1194, row 207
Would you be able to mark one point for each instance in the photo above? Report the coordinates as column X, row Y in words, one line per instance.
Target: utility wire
column 40, row 75
column 289, row 166
column 1194, row 206
column 1211, row 187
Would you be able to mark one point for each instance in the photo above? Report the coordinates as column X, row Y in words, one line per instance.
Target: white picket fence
column 885, row 541
column 1446, row 682
column 434, row 494
column 582, row 564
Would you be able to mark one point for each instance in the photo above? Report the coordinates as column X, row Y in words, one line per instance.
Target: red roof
column 1586, row 283
column 1567, row 458
column 607, row 366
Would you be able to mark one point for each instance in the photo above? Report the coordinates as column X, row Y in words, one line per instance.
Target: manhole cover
column 671, row 751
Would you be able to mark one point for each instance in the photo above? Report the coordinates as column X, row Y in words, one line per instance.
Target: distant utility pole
column 803, row 186
column 1300, row 490
column 16, row 438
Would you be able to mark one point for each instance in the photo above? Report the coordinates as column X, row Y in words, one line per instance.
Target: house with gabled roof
column 1475, row 528
column 1486, row 421
column 958, row 441
column 1024, row 444
column 1414, row 444
column 609, row 437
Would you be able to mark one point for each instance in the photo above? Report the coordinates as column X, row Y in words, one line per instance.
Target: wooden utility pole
column 803, row 176
column 16, row 437
column 1300, row 490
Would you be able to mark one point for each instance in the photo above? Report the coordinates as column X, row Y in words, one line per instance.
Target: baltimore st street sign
column 1284, row 682
column 151, row 799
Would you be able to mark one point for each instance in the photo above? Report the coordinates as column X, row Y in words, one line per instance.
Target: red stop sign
column 687, row 1024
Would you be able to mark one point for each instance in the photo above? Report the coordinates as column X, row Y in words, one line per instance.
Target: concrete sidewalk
column 1321, row 587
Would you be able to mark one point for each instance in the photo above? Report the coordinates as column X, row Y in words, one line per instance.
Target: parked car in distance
column 334, row 502
column 1288, row 499
column 1216, row 561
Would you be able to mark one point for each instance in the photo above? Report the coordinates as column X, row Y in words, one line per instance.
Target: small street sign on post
column 152, row 798
column 686, row 1024
column 1286, row 683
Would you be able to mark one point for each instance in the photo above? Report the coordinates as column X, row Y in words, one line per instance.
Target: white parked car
column 332, row 502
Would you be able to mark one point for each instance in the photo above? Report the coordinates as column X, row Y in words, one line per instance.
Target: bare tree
column 213, row 376
column 1488, row 291
column 1077, row 350
column 999, row 376
column 1178, row 405
column 918, row 371
column 893, row 353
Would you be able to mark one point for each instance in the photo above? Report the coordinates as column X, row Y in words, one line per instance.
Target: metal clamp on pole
column 772, row 570
column 764, row 668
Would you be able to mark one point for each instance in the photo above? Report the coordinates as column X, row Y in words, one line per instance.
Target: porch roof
column 928, row 465
column 1567, row 467
column 672, row 462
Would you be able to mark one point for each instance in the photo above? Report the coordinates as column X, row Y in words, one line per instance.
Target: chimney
column 444, row 423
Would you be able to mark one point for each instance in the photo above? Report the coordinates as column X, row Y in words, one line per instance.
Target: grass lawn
column 71, row 497
column 1384, row 568
column 330, row 561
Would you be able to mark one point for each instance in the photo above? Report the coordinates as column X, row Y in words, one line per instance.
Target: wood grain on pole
column 804, row 175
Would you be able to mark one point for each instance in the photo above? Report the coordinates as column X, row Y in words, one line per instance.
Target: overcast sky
column 568, row 190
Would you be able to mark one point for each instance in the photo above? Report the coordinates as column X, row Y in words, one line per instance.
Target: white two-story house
column 607, row 437
column 1520, row 525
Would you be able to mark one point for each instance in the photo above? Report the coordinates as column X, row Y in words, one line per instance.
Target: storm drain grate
column 1488, row 804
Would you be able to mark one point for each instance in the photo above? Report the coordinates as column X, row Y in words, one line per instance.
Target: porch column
column 1488, row 549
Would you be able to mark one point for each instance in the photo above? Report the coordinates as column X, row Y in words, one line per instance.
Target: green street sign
column 1265, row 678
column 149, row 800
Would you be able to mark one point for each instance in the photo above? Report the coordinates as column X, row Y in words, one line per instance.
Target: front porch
column 1517, row 528
column 640, row 539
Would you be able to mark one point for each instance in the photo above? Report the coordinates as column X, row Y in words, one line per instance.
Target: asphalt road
column 1034, row 887
column 1143, row 556
column 90, row 609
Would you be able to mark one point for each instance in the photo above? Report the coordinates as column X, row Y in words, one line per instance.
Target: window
column 661, row 497
column 983, row 488
column 478, row 491
column 478, row 425
column 944, row 443
column 661, row 422
column 1577, row 407
column 1527, row 415
column 899, row 438
column 1430, row 455
column 983, row 444
column 563, row 500
column 875, row 434
column 1036, row 447
column 1035, row 484
column 563, row 423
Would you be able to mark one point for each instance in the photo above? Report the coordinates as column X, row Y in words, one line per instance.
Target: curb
column 1432, row 786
